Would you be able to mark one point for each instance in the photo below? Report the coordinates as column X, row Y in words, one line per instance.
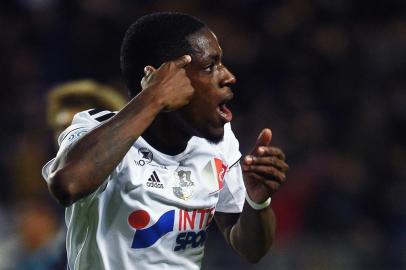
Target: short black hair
column 153, row 39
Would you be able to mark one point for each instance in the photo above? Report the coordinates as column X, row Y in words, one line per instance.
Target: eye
column 209, row 68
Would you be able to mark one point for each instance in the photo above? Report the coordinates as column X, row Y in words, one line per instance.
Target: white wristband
column 257, row 206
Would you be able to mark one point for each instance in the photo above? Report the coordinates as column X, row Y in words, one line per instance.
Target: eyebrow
column 214, row 56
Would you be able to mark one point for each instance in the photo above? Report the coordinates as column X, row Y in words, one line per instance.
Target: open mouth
column 224, row 112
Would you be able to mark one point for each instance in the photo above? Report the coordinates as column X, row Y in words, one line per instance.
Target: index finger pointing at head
column 183, row 61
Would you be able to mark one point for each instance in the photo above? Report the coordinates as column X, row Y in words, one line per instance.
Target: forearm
column 85, row 165
column 253, row 233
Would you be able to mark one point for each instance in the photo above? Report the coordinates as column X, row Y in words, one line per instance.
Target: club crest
column 184, row 186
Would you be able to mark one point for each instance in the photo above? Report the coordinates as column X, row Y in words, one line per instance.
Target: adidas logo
column 153, row 181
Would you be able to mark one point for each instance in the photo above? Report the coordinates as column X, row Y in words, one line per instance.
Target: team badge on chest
column 183, row 187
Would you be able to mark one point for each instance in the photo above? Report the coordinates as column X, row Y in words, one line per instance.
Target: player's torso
column 155, row 210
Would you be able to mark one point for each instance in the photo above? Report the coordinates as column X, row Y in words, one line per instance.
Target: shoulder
column 83, row 122
column 92, row 115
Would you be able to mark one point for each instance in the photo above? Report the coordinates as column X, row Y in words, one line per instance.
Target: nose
column 228, row 78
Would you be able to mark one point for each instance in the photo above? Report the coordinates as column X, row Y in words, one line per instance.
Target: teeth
column 220, row 111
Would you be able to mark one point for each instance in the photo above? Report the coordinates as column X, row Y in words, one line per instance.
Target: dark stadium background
column 328, row 77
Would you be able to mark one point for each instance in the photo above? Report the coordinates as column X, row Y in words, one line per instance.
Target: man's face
column 207, row 113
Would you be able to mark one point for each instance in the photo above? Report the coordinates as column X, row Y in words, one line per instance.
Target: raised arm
column 84, row 165
column 251, row 232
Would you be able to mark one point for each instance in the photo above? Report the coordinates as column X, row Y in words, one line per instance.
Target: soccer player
column 142, row 185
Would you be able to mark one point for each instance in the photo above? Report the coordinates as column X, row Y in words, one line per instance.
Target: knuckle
column 273, row 170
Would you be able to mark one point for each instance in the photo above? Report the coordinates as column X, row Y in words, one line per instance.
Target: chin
column 214, row 136
column 212, row 132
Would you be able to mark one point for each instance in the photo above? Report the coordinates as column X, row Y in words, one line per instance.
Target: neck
column 168, row 133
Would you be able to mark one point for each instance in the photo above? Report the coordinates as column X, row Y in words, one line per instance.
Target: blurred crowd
column 328, row 77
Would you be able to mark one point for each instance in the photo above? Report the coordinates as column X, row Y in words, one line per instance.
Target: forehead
column 205, row 44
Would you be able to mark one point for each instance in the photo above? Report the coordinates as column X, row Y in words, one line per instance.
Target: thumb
column 183, row 61
column 264, row 139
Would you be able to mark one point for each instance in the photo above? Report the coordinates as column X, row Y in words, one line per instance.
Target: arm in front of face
column 251, row 232
column 84, row 165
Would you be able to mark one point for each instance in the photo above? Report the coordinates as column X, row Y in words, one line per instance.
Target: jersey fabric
column 153, row 210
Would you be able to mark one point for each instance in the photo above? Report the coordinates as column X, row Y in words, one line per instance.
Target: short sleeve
column 82, row 123
column 232, row 195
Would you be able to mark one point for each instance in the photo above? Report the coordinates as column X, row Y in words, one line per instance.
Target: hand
column 171, row 83
column 264, row 168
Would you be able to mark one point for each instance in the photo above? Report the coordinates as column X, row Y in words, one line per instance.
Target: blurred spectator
column 67, row 99
column 38, row 243
column 41, row 236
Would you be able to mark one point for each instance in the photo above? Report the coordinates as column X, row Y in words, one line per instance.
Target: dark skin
column 211, row 81
column 186, row 92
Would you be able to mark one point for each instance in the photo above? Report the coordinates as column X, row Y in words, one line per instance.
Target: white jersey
column 153, row 210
